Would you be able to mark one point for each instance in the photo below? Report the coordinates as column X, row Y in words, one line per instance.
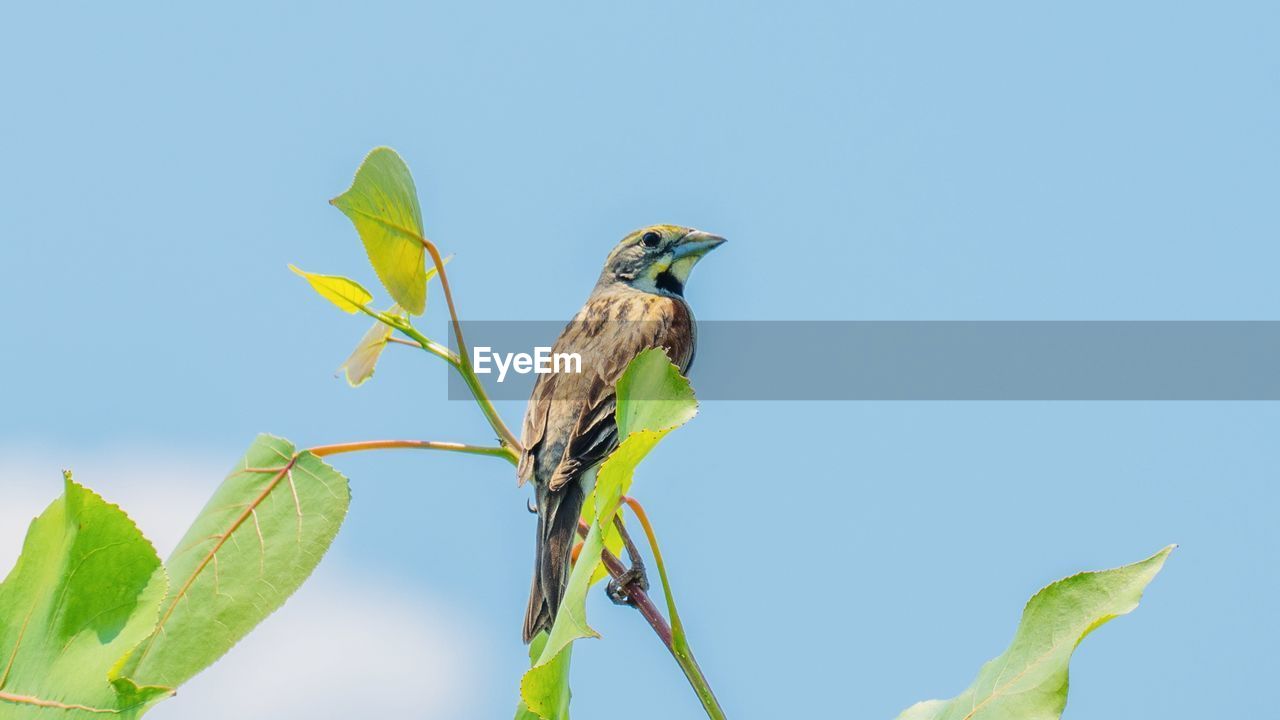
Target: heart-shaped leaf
column 382, row 203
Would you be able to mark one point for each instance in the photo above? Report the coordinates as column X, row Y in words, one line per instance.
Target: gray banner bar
column 934, row 360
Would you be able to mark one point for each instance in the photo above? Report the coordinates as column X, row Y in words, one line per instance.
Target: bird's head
column 658, row 258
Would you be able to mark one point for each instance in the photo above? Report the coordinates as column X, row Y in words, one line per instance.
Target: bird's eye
column 650, row 239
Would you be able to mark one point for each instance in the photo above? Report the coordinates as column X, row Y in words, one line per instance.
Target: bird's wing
column 569, row 425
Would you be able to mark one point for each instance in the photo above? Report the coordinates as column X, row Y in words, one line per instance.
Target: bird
column 569, row 427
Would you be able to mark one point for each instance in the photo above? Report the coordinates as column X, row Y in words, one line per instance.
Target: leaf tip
column 1162, row 555
column 382, row 150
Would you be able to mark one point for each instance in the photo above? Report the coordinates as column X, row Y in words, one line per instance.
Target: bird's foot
column 621, row 588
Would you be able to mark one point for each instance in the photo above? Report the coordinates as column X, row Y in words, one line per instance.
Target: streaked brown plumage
column 569, row 425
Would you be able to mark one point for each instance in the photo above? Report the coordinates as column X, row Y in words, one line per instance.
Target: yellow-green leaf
column 347, row 294
column 360, row 365
column 1029, row 680
column 612, row 538
column 363, row 360
column 382, row 203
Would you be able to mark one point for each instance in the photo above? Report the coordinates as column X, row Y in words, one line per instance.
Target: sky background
column 1083, row 161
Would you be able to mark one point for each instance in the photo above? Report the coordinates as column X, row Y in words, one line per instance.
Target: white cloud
column 343, row 647
column 348, row 644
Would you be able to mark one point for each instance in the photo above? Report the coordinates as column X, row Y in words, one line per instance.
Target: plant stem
column 419, row 340
column 339, row 448
column 460, row 362
column 410, row 343
column 679, row 641
column 639, row 599
column 676, row 626
column 463, row 363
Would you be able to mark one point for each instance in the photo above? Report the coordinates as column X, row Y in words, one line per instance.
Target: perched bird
column 569, row 428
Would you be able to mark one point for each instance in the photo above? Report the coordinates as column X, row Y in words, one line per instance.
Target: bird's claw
column 622, row 588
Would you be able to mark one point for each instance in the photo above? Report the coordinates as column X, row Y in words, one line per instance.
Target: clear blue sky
column 162, row 165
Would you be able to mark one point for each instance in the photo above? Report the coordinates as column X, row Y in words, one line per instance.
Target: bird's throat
column 667, row 281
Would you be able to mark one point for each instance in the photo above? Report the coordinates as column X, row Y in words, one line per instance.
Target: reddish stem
column 338, row 448
column 639, row 598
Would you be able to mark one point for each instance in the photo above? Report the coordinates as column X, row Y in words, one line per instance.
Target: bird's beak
column 696, row 244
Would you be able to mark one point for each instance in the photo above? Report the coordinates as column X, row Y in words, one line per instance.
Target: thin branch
column 643, row 518
column 419, row 340
column 638, row 598
column 508, row 438
column 679, row 645
column 448, row 296
column 422, row 341
column 459, row 361
column 339, row 448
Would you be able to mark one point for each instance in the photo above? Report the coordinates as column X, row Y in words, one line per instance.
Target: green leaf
column 347, row 294
column 382, row 203
column 363, row 360
column 612, row 538
column 1029, row 680
column 259, row 537
column 86, row 589
column 653, row 399
column 556, row 677
column 653, row 395
column 360, row 365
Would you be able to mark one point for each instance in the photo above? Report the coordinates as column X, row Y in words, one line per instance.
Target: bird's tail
column 558, row 512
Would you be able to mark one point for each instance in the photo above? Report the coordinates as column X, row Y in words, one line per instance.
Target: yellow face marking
column 657, row 269
column 682, row 267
